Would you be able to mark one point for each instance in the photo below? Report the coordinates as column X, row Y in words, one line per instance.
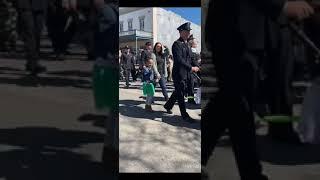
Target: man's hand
column 195, row 69
column 298, row 9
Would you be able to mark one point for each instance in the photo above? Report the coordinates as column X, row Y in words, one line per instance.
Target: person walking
column 31, row 16
column 127, row 61
column 181, row 70
column 237, row 34
column 160, row 62
column 148, row 80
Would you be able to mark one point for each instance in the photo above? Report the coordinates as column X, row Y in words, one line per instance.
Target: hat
column 185, row 26
column 148, row 44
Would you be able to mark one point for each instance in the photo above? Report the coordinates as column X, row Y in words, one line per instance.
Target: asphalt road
column 49, row 128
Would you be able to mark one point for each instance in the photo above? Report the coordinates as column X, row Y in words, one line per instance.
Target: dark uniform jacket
column 35, row 5
column 242, row 26
column 106, row 35
column 127, row 60
column 182, row 60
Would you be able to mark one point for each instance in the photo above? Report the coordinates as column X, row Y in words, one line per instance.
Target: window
column 121, row 26
column 141, row 21
column 130, row 24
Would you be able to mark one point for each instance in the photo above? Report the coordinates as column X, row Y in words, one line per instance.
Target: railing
column 135, row 32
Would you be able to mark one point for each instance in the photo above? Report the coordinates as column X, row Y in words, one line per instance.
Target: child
column 148, row 79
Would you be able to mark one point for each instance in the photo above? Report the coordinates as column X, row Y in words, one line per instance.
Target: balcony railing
column 135, row 32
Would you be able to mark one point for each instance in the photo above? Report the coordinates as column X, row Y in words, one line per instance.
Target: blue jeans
column 162, row 82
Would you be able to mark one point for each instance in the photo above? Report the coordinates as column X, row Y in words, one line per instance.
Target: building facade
column 140, row 25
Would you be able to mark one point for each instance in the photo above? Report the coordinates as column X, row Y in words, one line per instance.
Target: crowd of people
column 66, row 21
column 157, row 65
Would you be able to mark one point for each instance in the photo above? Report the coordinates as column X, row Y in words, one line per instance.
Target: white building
column 139, row 25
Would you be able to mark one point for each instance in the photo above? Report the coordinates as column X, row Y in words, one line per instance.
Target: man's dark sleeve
column 177, row 56
column 142, row 58
column 122, row 60
column 271, row 8
column 110, row 18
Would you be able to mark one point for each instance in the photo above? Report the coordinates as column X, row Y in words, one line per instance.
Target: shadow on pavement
column 47, row 153
column 46, row 81
column 71, row 73
column 188, row 105
column 131, row 109
column 98, row 120
column 130, row 87
column 287, row 154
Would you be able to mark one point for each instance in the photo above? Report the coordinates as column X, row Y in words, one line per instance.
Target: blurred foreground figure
column 106, row 78
column 309, row 125
column 31, row 17
column 8, row 24
column 237, row 33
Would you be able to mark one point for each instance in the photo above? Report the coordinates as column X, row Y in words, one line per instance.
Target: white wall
column 147, row 12
column 161, row 22
column 168, row 22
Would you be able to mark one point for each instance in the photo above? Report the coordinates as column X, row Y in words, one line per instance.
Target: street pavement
column 49, row 128
column 156, row 142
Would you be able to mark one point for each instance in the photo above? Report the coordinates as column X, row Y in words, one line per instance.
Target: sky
column 191, row 14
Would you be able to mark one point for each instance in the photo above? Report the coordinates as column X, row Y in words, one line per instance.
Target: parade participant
column 181, row 70
column 61, row 25
column 145, row 54
column 31, row 15
column 192, row 79
column 235, row 47
column 160, row 61
column 105, row 78
column 148, row 80
column 8, row 24
column 127, row 62
column 133, row 66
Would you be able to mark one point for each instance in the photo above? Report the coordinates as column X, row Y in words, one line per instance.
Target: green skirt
column 105, row 87
column 148, row 89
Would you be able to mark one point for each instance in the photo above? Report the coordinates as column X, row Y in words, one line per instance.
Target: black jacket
column 34, row 5
column 127, row 61
column 182, row 60
column 106, row 32
column 238, row 25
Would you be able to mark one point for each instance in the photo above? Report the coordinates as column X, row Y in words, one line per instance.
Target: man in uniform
column 127, row 62
column 182, row 69
column 31, row 19
column 237, row 33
